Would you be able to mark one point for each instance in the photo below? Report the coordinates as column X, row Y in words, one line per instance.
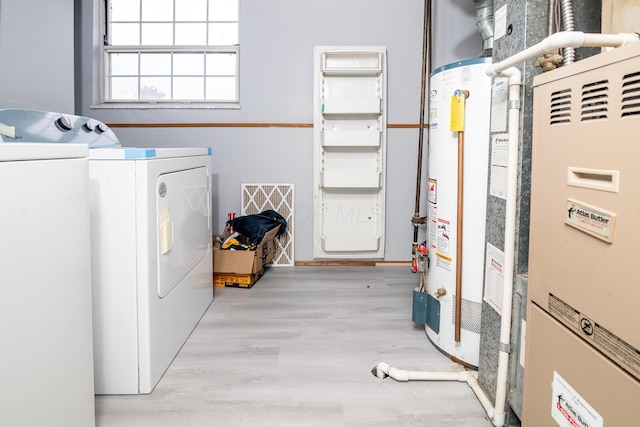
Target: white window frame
column 105, row 77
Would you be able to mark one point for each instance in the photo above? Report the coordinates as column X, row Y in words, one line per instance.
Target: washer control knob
column 101, row 127
column 89, row 125
column 64, row 123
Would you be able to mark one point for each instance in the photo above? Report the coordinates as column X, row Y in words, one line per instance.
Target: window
column 171, row 51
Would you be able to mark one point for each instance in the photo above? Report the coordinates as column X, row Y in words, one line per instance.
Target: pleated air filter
column 278, row 197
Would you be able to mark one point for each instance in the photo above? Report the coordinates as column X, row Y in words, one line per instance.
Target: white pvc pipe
column 383, row 370
column 506, row 68
column 499, row 413
column 472, row 381
column 559, row 40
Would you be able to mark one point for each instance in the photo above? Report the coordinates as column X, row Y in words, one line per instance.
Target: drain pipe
column 382, row 370
column 564, row 39
column 506, row 68
column 498, row 414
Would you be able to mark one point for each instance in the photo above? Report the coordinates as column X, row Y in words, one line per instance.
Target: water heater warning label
column 432, row 194
column 591, row 220
column 443, row 237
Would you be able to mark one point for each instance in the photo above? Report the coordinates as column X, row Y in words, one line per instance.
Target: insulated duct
column 484, row 23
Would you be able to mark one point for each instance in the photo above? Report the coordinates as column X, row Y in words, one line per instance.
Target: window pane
column 191, row 34
column 157, row 34
column 191, row 10
column 188, row 88
column 123, row 64
column 172, row 50
column 223, row 10
column 124, row 88
column 157, row 10
column 125, row 34
column 125, row 10
column 221, row 89
column 223, row 34
column 155, row 64
column 188, row 64
column 221, row 64
column 155, row 88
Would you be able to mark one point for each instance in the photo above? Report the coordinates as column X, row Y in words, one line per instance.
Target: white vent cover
column 278, row 197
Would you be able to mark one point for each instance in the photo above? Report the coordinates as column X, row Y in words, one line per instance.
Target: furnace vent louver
column 631, row 95
column 561, row 107
column 595, row 100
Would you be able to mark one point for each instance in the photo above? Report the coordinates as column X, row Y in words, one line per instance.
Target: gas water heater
column 455, row 157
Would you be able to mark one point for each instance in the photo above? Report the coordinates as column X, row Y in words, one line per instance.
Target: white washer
column 151, row 261
column 45, row 286
column 151, row 257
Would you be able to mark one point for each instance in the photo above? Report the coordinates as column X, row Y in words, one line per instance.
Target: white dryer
column 151, row 261
column 151, row 257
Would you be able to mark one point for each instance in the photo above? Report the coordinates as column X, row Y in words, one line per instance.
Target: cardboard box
column 243, row 268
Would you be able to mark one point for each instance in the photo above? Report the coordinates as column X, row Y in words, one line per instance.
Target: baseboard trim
column 351, row 263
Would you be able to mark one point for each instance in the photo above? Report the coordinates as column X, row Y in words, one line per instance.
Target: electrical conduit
column 506, row 68
column 569, row 53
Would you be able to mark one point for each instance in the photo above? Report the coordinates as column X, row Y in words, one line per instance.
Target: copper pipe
column 458, row 320
column 460, row 211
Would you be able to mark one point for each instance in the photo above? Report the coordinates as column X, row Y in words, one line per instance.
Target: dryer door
column 184, row 234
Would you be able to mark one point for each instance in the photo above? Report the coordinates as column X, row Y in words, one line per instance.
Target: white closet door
column 350, row 150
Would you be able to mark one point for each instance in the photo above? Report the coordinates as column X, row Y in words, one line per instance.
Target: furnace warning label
column 618, row 350
column 569, row 409
column 563, row 311
column 591, row 220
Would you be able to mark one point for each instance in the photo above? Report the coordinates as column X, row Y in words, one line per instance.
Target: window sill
column 164, row 106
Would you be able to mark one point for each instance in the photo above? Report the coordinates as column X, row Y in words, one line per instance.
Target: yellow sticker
column 457, row 112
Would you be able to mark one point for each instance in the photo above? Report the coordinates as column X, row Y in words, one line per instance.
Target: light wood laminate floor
column 297, row 350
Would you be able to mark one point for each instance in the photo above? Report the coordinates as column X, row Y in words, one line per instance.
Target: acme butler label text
column 594, row 221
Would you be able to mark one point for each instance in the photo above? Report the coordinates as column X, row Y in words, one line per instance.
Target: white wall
column 37, row 55
column 276, row 68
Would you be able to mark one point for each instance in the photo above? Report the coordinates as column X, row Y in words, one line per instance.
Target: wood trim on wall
column 243, row 125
